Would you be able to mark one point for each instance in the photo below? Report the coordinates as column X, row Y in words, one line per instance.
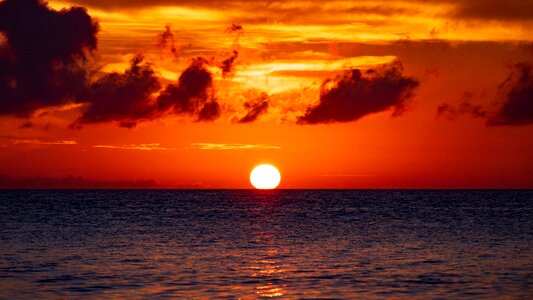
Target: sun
column 265, row 177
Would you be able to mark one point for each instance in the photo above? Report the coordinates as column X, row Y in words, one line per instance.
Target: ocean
column 249, row 244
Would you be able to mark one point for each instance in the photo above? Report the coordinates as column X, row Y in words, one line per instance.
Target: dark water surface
column 251, row 244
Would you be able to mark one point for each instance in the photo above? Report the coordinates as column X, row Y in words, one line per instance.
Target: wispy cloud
column 41, row 142
column 213, row 146
column 142, row 147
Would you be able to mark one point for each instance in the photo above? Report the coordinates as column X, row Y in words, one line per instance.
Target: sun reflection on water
column 271, row 275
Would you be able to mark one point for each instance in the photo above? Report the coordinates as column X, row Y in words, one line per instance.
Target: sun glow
column 265, row 177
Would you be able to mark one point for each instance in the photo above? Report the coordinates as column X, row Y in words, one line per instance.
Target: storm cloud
column 357, row 94
column 43, row 54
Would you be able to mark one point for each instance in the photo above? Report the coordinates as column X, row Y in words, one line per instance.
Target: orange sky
column 448, row 105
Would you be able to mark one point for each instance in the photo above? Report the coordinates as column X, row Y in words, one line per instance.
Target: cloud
column 481, row 9
column 214, row 146
column 514, row 108
column 193, row 94
column 517, row 93
column 43, row 142
column 235, row 28
column 227, row 65
column 452, row 111
column 357, row 94
column 165, row 40
column 255, row 109
column 505, row 10
column 42, row 58
column 210, row 111
column 121, row 97
column 130, row 97
column 143, row 147
column 238, row 30
column 27, row 124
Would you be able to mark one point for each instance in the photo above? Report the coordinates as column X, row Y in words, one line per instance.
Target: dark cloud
column 43, row 63
column 271, row 11
column 463, row 107
column 41, row 60
column 193, row 94
column 122, row 97
column 235, row 28
column 255, row 109
column 227, row 65
column 128, row 98
column 505, row 10
column 514, row 108
column 517, row 94
column 165, row 40
column 27, row 124
column 356, row 94
column 210, row 111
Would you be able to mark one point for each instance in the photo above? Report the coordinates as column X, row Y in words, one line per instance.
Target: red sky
column 336, row 94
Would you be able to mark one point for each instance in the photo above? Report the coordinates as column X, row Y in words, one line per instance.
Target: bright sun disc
column 265, row 177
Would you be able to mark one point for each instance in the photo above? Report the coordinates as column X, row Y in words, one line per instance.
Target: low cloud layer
column 357, row 94
column 70, row 182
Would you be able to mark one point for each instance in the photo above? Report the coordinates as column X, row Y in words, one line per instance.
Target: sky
column 336, row 94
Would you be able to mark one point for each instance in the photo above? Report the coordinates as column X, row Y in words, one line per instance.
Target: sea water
column 248, row 244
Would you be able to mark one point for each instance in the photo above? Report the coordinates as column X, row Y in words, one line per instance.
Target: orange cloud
column 43, row 142
column 215, row 146
column 142, row 147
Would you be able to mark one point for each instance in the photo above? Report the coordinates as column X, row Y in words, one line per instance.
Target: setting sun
column 265, row 177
